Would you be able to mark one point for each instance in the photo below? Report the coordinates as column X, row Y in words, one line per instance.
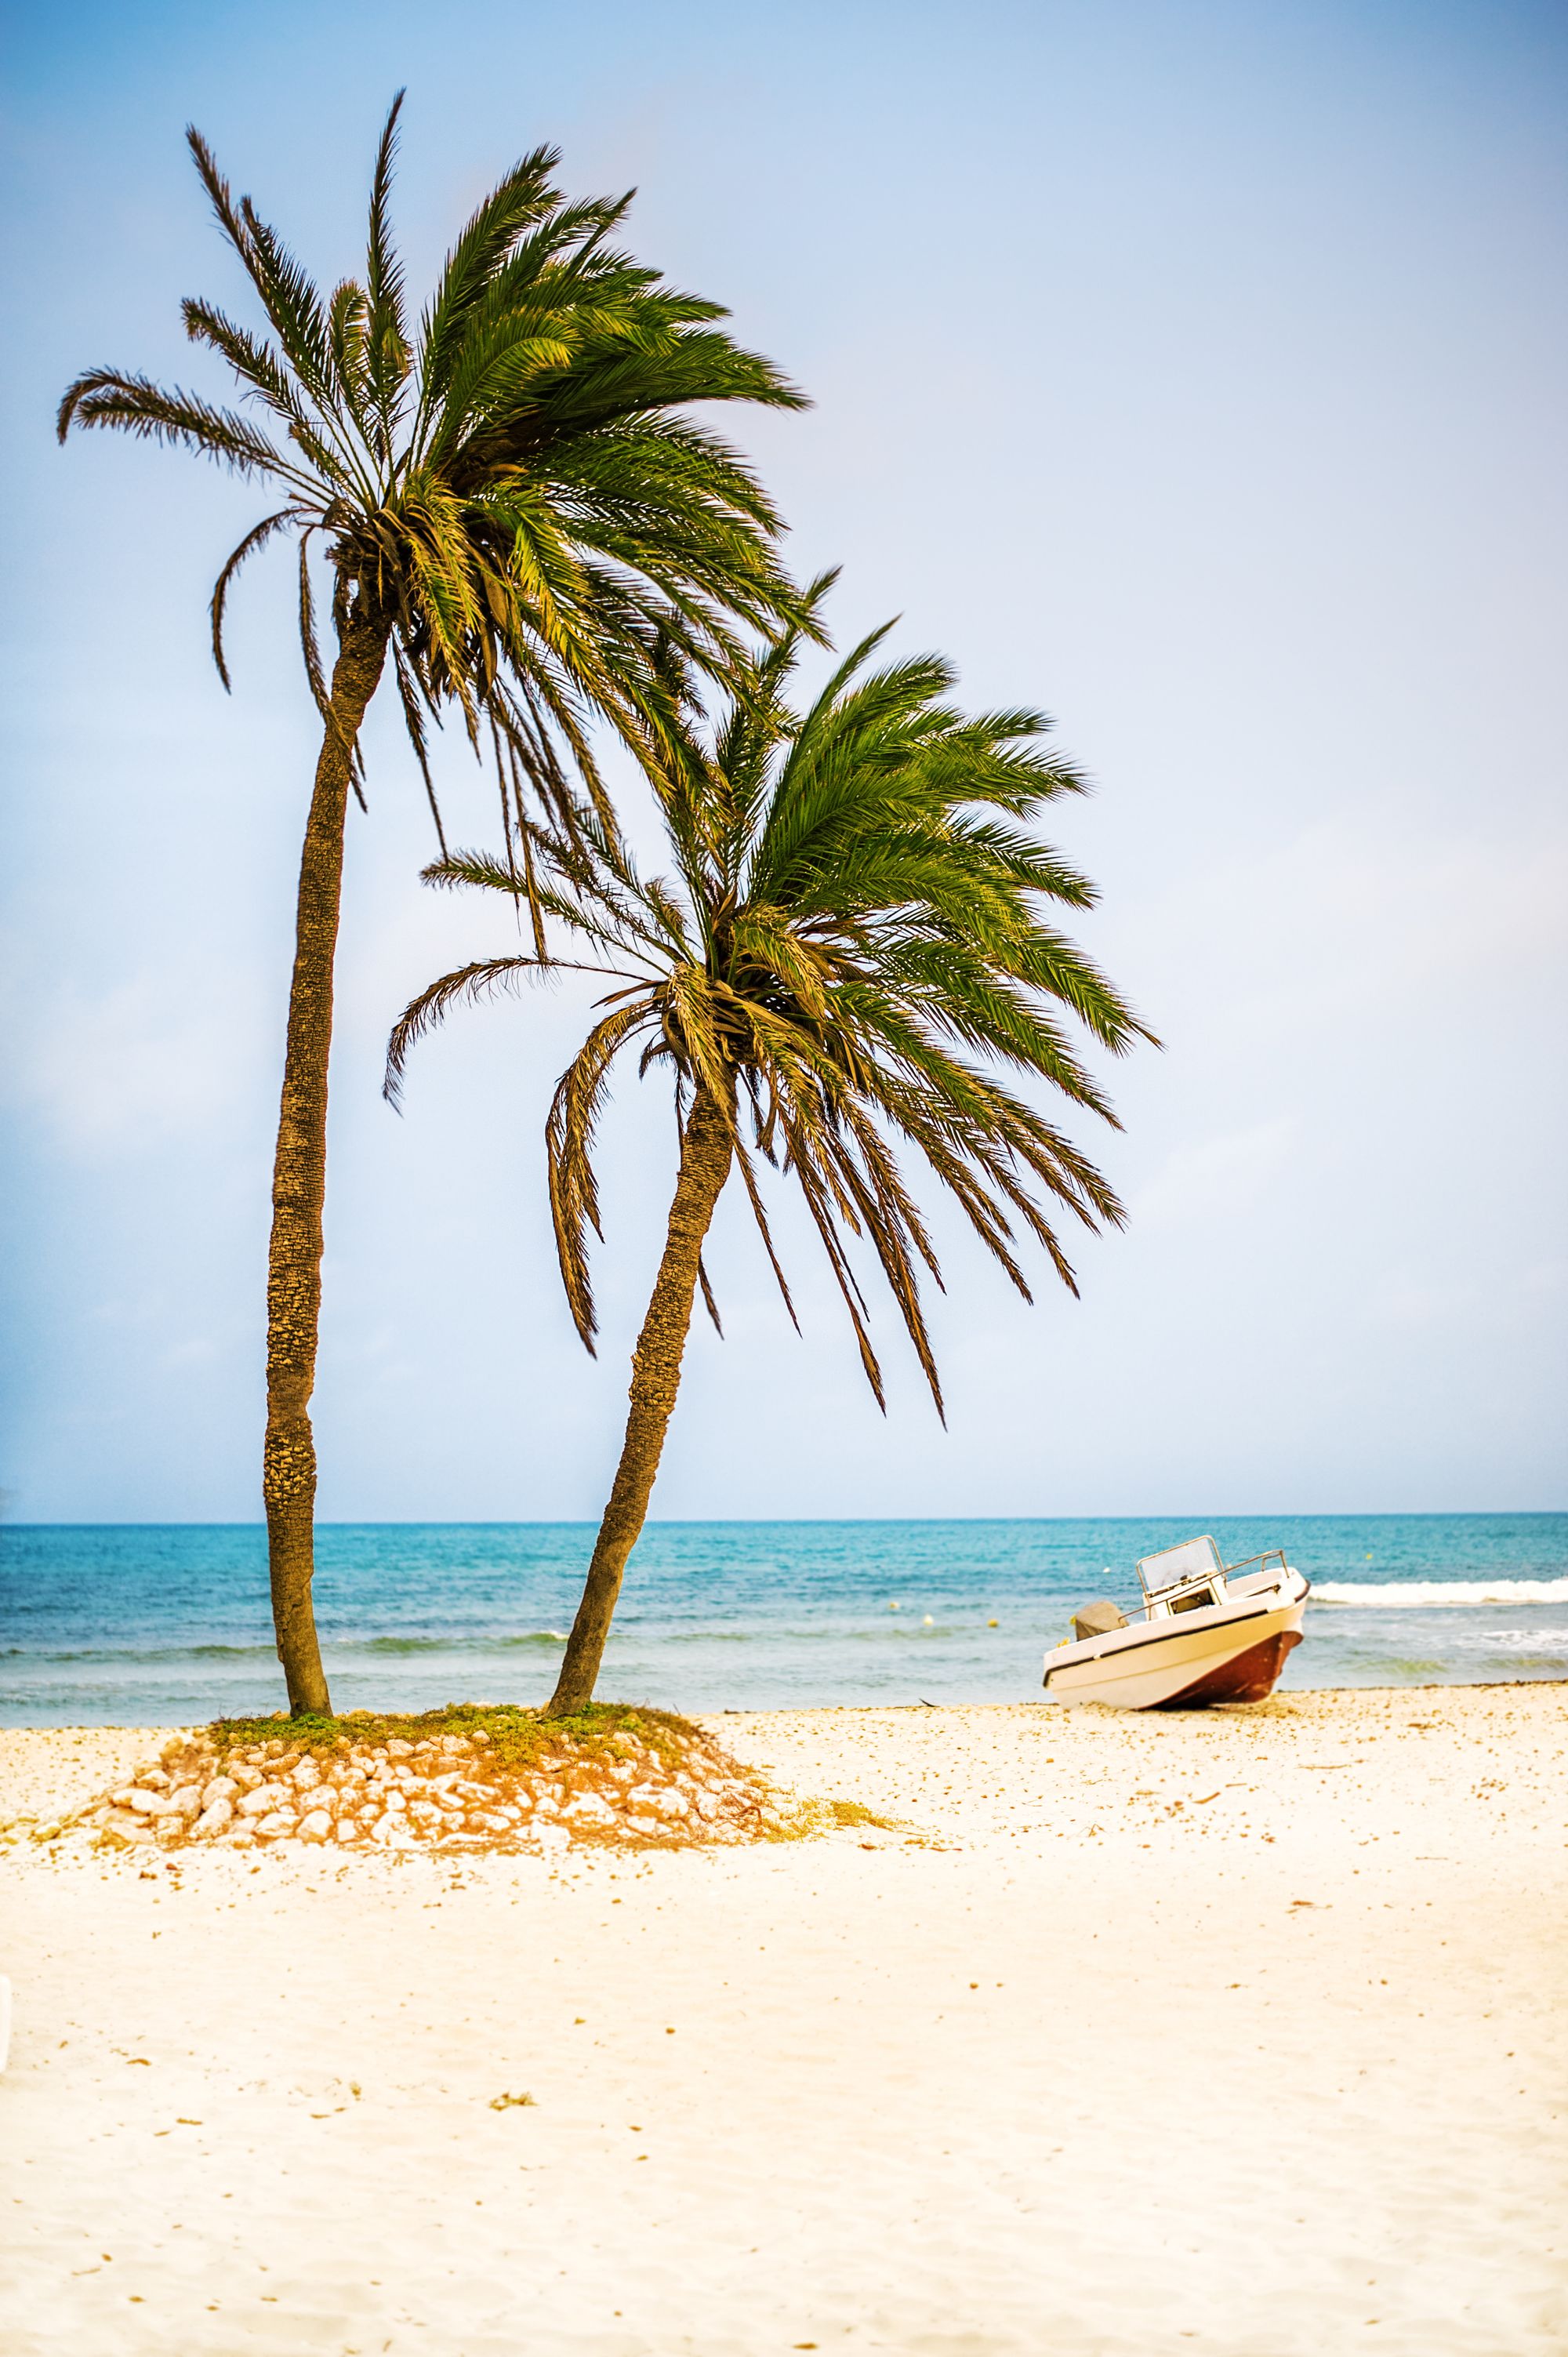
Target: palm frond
column 852, row 946
column 257, row 537
column 388, row 359
column 135, row 404
column 477, row 981
column 569, row 1138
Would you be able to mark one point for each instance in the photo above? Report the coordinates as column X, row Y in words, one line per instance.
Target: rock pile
column 449, row 1791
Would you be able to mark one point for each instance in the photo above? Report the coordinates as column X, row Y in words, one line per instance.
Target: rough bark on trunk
column 300, row 1175
column 705, row 1151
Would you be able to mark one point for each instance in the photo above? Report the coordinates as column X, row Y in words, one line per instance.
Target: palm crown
column 849, row 948
column 506, row 491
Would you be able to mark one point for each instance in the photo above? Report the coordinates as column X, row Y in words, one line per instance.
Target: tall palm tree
column 852, row 946
column 514, row 504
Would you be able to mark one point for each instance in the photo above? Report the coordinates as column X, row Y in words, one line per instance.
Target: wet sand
column 1235, row 2032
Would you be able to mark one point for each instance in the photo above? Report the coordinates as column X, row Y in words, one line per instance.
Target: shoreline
column 152, row 1732
column 1116, row 1998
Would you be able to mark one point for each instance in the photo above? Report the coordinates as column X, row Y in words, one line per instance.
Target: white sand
column 1070, row 2068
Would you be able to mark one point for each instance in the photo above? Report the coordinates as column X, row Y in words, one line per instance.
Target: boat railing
column 1269, row 1555
column 1133, row 1612
column 1227, row 1572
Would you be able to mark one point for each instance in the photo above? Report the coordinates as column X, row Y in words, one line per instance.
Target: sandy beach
column 1234, row 2032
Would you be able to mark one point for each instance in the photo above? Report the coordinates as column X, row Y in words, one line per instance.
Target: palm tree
column 516, row 505
column 852, row 943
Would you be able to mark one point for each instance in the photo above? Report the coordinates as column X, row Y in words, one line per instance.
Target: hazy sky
column 1195, row 370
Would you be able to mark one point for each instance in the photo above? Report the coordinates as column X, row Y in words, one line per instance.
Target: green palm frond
column 849, row 957
column 133, row 405
column 516, row 491
column 257, row 537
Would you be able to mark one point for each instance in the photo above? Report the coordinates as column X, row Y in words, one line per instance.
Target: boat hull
column 1250, row 1676
column 1181, row 1667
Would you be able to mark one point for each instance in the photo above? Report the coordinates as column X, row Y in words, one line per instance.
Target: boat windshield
column 1194, row 1559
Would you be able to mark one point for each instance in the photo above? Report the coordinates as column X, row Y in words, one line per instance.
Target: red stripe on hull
column 1250, row 1677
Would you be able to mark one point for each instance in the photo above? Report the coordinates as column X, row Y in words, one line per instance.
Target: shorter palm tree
column 850, row 947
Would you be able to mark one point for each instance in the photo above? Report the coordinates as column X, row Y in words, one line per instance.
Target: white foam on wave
column 1423, row 1595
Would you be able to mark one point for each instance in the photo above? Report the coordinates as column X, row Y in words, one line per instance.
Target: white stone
column 155, row 1777
column 307, row 1775
column 249, row 1780
column 221, row 1788
column 392, row 1833
column 553, row 1837
column 259, row 1801
column 590, row 1810
column 187, row 1799
column 213, row 1819
column 152, row 1804
column 315, row 1826
column 280, row 1822
column 166, row 1830
column 347, row 1829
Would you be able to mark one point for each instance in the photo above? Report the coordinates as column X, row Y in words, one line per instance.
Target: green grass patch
column 518, row 1738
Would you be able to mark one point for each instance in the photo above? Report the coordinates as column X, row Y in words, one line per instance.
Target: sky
column 1195, row 371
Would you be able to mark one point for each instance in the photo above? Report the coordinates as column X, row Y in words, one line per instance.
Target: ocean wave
column 1426, row 1595
column 480, row 1642
column 151, row 1653
column 338, row 1649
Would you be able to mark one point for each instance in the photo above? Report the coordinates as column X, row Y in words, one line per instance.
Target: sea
column 147, row 1624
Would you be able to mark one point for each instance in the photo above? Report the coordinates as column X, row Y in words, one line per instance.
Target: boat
column 1206, row 1633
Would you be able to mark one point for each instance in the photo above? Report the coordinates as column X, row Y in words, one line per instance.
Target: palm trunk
column 300, row 1175
column 705, row 1151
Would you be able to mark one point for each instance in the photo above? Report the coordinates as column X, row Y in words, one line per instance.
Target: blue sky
column 1197, row 372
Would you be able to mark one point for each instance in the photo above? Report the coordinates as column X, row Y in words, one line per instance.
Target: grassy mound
column 463, row 1776
column 517, row 1738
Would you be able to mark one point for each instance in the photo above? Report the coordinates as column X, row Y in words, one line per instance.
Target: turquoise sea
column 148, row 1624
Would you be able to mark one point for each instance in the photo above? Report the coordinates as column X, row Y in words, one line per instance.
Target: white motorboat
column 1207, row 1632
